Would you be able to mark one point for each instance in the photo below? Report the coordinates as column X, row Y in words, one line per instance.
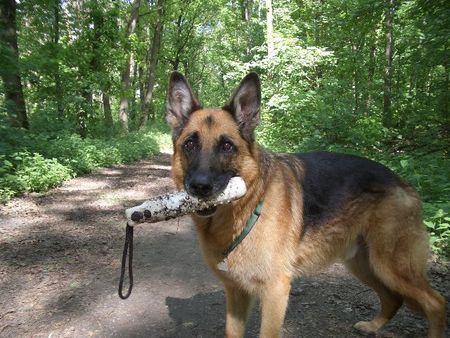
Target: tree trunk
column 186, row 27
column 141, row 86
column 357, row 50
column 389, row 49
column 246, row 16
column 97, row 63
column 107, row 110
column 132, row 107
column 9, row 70
column 445, row 97
column 269, row 22
column 84, row 112
column 153, row 62
column 94, row 70
column 367, row 97
column 125, row 76
column 57, row 75
column 356, row 90
column 97, row 20
column 176, row 61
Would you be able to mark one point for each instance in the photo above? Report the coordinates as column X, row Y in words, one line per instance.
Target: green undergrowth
column 429, row 174
column 36, row 162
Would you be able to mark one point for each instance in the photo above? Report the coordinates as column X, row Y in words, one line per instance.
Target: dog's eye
column 189, row 145
column 227, row 147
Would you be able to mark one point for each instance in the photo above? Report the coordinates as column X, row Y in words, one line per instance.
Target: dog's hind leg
column 402, row 272
column 390, row 301
column 239, row 305
column 398, row 249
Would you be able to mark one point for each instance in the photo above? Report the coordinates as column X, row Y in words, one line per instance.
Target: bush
column 32, row 172
column 37, row 162
column 437, row 220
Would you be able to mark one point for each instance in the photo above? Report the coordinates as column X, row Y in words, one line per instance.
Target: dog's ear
column 244, row 104
column 181, row 102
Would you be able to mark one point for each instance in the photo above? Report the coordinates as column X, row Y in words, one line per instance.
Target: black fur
column 332, row 180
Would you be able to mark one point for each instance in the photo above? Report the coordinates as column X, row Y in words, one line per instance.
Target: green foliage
column 429, row 174
column 25, row 172
column 37, row 162
column 437, row 220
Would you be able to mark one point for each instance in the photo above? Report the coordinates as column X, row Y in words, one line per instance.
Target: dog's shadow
column 316, row 309
column 202, row 315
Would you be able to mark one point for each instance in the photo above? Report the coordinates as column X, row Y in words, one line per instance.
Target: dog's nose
column 200, row 185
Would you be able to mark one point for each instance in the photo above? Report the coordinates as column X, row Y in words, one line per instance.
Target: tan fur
column 382, row 242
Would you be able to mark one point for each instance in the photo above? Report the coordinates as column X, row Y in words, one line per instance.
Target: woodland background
column 83, row 83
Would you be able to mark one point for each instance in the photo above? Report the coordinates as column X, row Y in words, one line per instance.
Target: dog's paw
column 367, row 327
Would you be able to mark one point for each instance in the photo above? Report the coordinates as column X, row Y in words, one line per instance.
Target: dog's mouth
column 208, row 212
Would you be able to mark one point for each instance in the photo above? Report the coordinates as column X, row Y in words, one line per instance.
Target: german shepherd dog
column 316, row 208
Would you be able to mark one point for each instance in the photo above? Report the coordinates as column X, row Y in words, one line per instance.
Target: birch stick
column 178, row 204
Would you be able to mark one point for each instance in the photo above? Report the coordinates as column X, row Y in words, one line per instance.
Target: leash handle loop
column 127, row 250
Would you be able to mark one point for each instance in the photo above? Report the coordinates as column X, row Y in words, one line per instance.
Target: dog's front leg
column 239, row 304
column 274, row 300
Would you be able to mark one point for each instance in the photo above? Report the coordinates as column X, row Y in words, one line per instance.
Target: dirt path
column 60, row 258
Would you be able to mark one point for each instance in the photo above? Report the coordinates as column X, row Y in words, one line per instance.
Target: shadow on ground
column 316, row 309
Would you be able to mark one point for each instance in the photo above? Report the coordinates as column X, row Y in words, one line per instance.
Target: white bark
column 179, row 204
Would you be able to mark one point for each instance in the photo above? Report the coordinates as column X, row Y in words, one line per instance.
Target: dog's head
column 212, row 145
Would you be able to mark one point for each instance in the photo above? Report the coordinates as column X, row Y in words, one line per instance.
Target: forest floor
column 60, row 256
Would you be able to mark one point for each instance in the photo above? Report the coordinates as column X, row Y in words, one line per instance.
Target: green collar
column 248, row 227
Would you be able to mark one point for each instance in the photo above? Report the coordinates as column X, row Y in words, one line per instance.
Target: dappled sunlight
column 60, row 251
column 80, row 274
column 161, row 167
column 61, row 256
column 110, row 171
column 85, row 184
